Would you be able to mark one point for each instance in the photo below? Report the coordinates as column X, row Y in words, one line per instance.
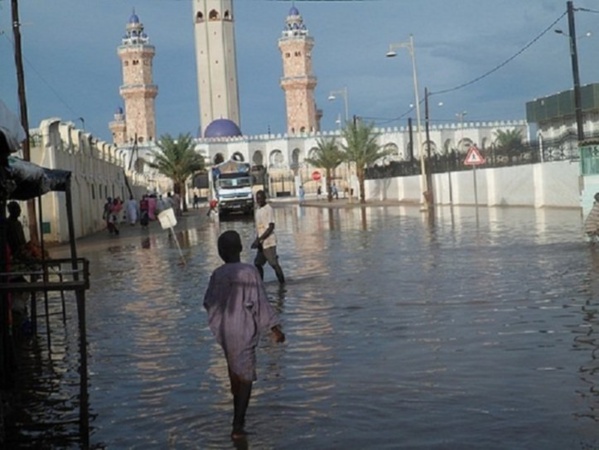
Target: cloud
column 72, row 69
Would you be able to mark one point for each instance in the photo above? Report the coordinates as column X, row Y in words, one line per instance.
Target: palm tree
column 361, row 147
column 327, row 156
column 177, row 160
column 509, row 142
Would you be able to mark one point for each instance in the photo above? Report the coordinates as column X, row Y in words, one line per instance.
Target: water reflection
column 404, row 331
column 587, row 341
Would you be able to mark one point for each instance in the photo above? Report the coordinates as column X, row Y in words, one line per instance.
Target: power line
column 54, row 91
column 504, row 63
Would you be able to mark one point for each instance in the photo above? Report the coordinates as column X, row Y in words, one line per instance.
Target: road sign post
column 474, row 158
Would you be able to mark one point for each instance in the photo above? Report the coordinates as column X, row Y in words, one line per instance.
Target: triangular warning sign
column 474, row 158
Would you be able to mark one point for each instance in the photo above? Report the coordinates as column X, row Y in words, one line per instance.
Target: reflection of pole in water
column 475, row 193
column 178, row 246
column 363, row 216
column 431, row 221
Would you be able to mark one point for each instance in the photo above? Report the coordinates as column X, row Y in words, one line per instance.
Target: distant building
column 138, row 122
column 555, row 117
column 283, row 155
column 298, row 80
column 214, row 27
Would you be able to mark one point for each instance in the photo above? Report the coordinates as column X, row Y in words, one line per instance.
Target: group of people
column 116, row 211
column 238, row 307
column 334, row 191
column 235, row 300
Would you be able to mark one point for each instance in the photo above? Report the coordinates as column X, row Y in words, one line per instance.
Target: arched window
column 218, row 158
column 227, row 15
column 199, row 17
column 276, row 159
column 393, row 151
column 237, row 157
column 464, row 145
column 213, row 15
column 258, row 158
column 295, row 158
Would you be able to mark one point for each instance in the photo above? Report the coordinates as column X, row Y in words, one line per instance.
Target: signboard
column 316, row 175
column 474, row 157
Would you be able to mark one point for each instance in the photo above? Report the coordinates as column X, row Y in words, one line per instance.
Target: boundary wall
column 98, row 171
column 550, row 184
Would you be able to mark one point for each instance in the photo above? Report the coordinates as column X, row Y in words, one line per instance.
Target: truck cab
column 231, row 183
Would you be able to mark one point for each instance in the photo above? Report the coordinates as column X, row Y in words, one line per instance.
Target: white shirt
column 264, row 217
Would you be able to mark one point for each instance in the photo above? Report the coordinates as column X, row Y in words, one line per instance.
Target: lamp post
column 343, row 93
column 332, row 97
column 575, row 75
column 390, row 54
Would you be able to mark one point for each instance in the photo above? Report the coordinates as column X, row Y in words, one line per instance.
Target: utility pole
column 429, row 174
column 575, row 74
column 411, row 134
column 16, row 26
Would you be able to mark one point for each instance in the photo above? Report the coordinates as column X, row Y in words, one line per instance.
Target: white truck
column 231, row 186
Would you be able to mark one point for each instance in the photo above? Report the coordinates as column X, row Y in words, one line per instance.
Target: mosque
column 282, row 155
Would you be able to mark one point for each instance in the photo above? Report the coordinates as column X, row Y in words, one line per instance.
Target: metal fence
column 563, row 149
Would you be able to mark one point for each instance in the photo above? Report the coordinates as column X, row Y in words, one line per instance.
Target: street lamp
column 332, row 97
column 391, row 54
column 343, row 93
column 461, row 116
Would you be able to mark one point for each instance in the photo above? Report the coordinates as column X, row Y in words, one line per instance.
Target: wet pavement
column 469, row 331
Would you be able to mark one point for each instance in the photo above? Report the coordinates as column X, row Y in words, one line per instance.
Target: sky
column 72, row 70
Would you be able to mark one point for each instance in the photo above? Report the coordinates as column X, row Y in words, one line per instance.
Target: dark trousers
column 269, row 255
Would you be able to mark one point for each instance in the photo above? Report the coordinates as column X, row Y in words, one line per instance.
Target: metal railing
column 562, row 149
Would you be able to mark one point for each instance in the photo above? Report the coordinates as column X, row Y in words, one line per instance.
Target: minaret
column 214, row 26
column 138, row 90
column 298, row 82
column 118, row 127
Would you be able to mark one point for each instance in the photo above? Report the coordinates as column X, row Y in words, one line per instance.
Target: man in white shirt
column 266, row 241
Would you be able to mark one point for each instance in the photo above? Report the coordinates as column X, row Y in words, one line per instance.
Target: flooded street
column 401, row 334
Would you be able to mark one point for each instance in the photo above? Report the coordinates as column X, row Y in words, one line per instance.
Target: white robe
column 132, row 211
column 238, row 309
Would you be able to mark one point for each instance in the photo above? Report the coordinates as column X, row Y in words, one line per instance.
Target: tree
column 509, row 142
column 361, row 147
column 327, row 156
column 177, row 160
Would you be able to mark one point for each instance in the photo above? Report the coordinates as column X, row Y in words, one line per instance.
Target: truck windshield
column 232, row 183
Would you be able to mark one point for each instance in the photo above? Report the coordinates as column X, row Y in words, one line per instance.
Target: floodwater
column 477, row 331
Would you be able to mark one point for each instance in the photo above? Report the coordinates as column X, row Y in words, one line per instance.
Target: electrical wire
column 504, row 63
column 47, row 83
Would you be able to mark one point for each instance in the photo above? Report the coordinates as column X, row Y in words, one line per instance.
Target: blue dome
column 119, row 110
column 222, row 128
column 294, row 11
column 133, row 18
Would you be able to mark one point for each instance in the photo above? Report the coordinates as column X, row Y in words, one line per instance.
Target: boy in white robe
column 238, row 309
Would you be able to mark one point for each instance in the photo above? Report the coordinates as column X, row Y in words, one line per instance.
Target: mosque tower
column 214, row 27
column 298, row 82
column 137, row 90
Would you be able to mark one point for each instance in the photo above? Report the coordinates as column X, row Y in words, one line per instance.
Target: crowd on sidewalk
column 117, row 211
